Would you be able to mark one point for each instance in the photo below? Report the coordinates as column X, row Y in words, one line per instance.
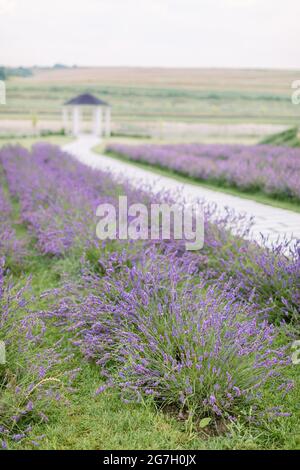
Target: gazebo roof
column 85, row 99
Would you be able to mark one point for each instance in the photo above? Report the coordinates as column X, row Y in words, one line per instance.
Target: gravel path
column 269, row 221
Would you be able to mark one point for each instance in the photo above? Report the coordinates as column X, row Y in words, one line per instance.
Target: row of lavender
column 273, row 170
column 58, row 200
column 8, row 241
column 188, row 329
column 31, row 378
column 30, row 370
column 57, row 196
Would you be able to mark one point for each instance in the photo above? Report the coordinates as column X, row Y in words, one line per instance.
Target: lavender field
column 204, row 337
column 272, row 170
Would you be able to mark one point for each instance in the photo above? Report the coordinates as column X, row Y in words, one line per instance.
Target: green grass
column 257, row 196
column 289, row 138
column 104, row 422
column 27, row 142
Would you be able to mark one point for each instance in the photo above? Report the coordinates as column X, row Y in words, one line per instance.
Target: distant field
column 145, row 99
column 272, row 81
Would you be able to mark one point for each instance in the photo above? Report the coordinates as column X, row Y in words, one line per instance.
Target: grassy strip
column 257, row 196
column 287, row 138
column 27, row 142
column 104, row 422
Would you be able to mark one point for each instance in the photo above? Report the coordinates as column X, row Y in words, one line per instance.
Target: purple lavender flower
column 273, row 170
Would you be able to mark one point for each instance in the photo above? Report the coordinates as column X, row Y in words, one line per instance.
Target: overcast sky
column 218, row 33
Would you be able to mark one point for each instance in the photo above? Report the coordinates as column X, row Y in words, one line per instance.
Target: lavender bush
column 273, row 170
column 9, row 244
column 271, row 277
column 156, row 332
column 32, row 378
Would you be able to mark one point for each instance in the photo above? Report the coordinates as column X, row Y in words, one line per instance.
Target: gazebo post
column 107, row 121
column 65, row 118
column 98, row 121
column 76, row 120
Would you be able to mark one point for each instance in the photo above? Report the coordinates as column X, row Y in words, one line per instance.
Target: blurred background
column 211, row 71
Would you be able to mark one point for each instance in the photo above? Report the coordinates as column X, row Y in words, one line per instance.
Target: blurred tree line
column 2, row 73
column 6, row 72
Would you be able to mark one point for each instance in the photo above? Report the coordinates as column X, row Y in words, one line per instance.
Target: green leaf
column 204, row 422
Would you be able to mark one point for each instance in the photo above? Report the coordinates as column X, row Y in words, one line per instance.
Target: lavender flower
column 273, row 170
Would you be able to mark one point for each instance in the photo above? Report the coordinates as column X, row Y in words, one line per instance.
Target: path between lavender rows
column 269, row 221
